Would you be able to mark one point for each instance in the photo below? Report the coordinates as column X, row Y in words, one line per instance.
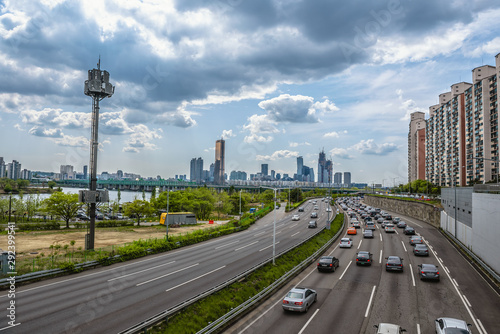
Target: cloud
column 141, row 139
column 56, row 117
column 408, row 106
column 226, row 134
column 260, row 128
column 295, row 109
column 341, row 153
column 43, row 132
column 371, row 148
column 332, row 134
column 293, row 144
column 72, row 141
column 282, row 154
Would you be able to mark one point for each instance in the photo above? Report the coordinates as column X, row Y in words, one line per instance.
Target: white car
column 384, row 328
column 389, row 228
column 451, row 325
column 345, row 243
column 295, row 217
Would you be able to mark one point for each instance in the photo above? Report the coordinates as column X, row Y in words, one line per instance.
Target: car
column 416, row 240
column 328, row 263
column 452, row 325
column 295, row 217
column 369, row 225
column 352, row 230
column 388, row 217
column 364, row 258
column 328, row 209
column 385, row 328
column 385, row 222
column 368, row 234
column 421, row 249
column 316, row 207
column 312, row 224
column 314, row 215
column 401, row 224
column 396, row 219
column 345, row 243
column 299, row 299
column 355, row 224
column 409, row 230
column 394, row 263
column 380, row 220
column 389, row 228
column 301, row 209
column 428, row 271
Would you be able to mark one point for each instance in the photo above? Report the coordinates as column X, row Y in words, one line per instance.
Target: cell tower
column 97, row 87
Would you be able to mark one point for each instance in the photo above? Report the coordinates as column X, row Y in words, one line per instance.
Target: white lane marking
column 380, row 258
column 260, row 233
column 234, row 242
column 308, row 321
column 141, row 271
column 446, row 268
column 345, row 270
column 412, row 277
column 295, row 234
column 1, row 329
column 396, row 231
column 278, row 232
column 268, row 247
column 440, row 259
column 194, row 279
column 173, row 272
column 467, row 301
column 402, row 243
column 418, row 329
column 482, row 327
column 454, row 281
column 293, row 225
column 380, row 234
column 360, row 241
column 370, row 302
column 250, row 244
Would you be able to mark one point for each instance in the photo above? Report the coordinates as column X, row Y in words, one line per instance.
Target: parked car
column 312, row 224
column 345, row 243
column 428, row 271
column 421, row 249
column 299, row 299
column 389, row 228
column 314, row 215
column 409, row 230
column 384, row 328
column 416, row 240
column 401, row 224
column 328, row 263
column 364, row 258
column 368, row 234
column 452, row 325
column 295, row 217
column 394, row 263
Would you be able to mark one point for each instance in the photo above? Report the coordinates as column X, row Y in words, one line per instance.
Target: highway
column 111, row 299
column 355, row 298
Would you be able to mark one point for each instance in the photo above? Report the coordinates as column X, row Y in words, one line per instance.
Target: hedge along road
column 110, row 299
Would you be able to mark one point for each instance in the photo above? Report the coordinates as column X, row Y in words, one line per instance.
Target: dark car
column 401, row 224
column 328, row 263
column 312, row 224
column 368, row 234
column 421, row 249
column 409, row 230
column 364, row 258
column 416, row 240
column 314, row 215
column 394, row 263
column 428, row 271
column 301, row 209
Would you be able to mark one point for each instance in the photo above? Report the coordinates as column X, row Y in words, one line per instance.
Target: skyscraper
column 85, row 172
column 2, row 167
column 14, row 170
column 220, row 157
column 67, row 172
column 196, row 170
column 347, row 179
column 325, row 168
column 416, row 147
column 300, row 165
column 337, row 178
column 264, row 169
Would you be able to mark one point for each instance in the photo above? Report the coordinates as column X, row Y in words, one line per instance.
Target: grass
column 198, row 315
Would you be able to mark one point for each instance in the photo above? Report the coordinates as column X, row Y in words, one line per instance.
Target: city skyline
column 302, row 77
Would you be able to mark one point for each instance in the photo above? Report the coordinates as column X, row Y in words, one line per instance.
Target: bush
column 39, row 226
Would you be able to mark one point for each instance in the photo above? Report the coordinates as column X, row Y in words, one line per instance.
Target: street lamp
column 274, row 225
column 240, row 203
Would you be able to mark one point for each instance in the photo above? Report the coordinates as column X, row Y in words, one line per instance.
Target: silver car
column 299, row 299
column 451, row 325
column 384, row 328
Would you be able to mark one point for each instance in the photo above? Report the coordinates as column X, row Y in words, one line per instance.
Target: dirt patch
column 39, row 242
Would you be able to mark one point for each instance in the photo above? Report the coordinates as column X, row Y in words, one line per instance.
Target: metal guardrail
column 474, row 256
column 144, row 325
column 245, row 306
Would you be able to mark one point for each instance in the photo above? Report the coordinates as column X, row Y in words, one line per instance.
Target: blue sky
column 277, row 79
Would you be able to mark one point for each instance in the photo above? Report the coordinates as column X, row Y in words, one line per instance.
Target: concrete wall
column 418, row 210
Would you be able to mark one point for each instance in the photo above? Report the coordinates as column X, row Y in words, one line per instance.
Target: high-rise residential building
column 264, row 169
column 14, row 170
column 196, row 170
column 325, row 168
column 461, row 135
column 273, row 174
column 416, row 147
column 238, row 175
column 85, row 172
column 220, row 157
column 3, row 170
column 300, row 165
column 119, row 174
column 67, row 172
column 347, row 179
column 26, row 174
column 337, row 178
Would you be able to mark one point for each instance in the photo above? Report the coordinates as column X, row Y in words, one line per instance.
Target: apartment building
column 416, row 147
column 461, row 134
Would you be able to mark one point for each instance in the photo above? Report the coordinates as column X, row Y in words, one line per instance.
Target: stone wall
column 418, row 210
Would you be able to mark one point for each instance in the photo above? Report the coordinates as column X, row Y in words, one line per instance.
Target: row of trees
column 418, row 187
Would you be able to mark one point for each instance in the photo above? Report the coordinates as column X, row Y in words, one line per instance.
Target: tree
column 137, row 209
column 21, row 184
column 51, row 184
column 63, row 205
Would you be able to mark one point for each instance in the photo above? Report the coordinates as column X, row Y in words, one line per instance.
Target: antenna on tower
column 99, row 63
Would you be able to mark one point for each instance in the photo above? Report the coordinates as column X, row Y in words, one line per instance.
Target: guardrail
column 164, row 315
column 483, row 265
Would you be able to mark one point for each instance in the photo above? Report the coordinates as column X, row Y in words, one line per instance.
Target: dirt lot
column 31, row 242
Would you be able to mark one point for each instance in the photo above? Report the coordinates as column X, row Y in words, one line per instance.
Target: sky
column 276, row 79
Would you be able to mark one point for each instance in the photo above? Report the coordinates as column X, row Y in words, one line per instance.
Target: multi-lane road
column 354, row 298
column 111, row 299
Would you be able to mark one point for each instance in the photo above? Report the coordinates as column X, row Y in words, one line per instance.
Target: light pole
column 240, row 203
column 274, row 225
column 168, row 202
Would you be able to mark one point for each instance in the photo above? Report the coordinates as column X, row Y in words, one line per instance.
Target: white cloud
column 371, row 148
column 72, row 141
column 44, row 132
column 282, row 154
column 141, row 139
column 408, row 106
column 56, row 117
column 341, row 153
column 332, row 134
column 260, row 128
column 226, row 134
column 293, row 144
